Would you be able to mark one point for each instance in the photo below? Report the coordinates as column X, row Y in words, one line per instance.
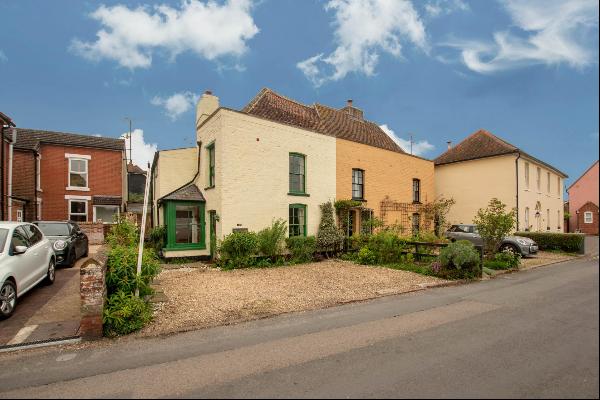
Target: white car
column 26, row 259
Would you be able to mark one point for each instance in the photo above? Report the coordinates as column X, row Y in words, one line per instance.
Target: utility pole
column 130, row 158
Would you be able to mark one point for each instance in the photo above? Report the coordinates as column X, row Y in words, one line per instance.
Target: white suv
column 26, row 259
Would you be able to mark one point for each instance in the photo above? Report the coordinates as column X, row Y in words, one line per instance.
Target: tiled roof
column 319, row 118
column 134, row 169
column 107, row 200
column 482, row 144
column 188, row 192
column 30, row 139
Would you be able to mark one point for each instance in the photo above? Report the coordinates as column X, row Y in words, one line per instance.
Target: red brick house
column 64, row 176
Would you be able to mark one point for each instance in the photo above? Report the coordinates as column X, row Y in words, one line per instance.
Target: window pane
column 78, row 218
column 106, row 214
column 34, row 234
column 187, row 224
column 78, row 180
column 78, row 207
column 19, row 238
column 78, row 165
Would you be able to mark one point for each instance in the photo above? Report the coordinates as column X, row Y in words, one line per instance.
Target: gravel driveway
column 203, row 297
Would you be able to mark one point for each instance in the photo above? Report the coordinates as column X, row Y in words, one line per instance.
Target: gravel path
column 204, row 297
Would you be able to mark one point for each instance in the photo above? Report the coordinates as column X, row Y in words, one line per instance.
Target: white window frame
column 587, row 220
column 526, row 175
column 86, row 159
column 79, row 200
column 105, row 206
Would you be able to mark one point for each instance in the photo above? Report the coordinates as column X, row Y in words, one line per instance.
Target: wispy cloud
column 141, row 152
column 363, row 30
column 546, row 32
column 3, row 57
column 132, row 36
column 418, row 148
column 437, row 8
column 176, row 104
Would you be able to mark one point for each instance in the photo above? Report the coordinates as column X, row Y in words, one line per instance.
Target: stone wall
column 94, row 231
column 93, row 295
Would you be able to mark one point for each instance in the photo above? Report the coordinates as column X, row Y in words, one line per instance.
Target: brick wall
column 93, row 295
column 105, row 177
column 94, row 231
column 590, row 229
column 24, row 180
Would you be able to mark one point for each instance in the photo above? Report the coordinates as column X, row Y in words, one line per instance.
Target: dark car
column 68, row 240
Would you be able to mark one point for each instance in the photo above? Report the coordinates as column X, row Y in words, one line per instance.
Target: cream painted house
column 484, row 166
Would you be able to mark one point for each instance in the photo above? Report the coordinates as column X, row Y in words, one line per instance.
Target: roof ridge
column 68, row 133
column 491, row 135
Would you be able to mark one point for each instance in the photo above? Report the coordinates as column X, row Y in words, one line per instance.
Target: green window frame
column 171, row 223
column 211, row 164
column 297, row 174
column 297, row 220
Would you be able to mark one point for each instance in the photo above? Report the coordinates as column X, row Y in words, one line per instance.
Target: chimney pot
column 349, row 102
column 209, row 92
column 449, row 144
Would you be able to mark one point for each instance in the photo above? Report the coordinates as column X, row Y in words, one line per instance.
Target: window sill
column 417, row 202
column 299, row 194
column 191, row 246
column 79, row 189
column 209, row 187
column 361, row 200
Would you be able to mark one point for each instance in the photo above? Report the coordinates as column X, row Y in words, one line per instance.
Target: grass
column 496, row 265
column 411, row 267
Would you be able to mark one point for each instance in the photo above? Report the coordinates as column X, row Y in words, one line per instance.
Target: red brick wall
column 24, row 180
column 105, row 175
column 94, row 231
column 590, row 229
column 93, row 294
column 4, row 180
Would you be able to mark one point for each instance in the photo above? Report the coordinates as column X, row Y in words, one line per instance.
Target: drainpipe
column 3, row 173
column 10, row 167
column 517, row 173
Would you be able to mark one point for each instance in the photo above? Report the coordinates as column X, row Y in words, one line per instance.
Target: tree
column 494, row 224
column 329, row 237
column 437, row 211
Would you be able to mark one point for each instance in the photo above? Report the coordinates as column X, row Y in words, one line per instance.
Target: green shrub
column 237, row 249
column 329, row 236
column 123, row 233
column 366, row 256
column 158, row 238
column 358, row 241
column 569, row 242
column 302, row 248
column 509, row 258
column 387, row 247
column 494, row 223
column 124, row 313
column 121, row 271
column 459, row 260
column 272, row 239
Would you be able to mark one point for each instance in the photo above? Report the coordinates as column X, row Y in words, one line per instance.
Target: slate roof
column 187, row 192
column 483, row 144
column 107, row 200
column 134, row 169
column 30, row 139
column 343, row 123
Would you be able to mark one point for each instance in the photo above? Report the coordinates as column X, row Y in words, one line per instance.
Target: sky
column 436, row 70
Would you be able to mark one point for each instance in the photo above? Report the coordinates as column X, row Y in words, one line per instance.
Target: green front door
column 185, row 225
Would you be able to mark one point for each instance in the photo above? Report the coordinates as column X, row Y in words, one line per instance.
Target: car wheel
column 8, row 299
column 87, row 250
column 72, row 259
column 51, row 274
column 510, row 248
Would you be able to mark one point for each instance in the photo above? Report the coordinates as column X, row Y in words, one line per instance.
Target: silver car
column 26, row 259
column 516, row 244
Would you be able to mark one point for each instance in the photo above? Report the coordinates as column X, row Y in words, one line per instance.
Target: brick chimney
column 207, row 105
column 353, row 111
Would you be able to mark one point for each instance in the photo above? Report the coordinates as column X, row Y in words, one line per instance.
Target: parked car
column 26, row 259
column 516, row 244
column 68, row 241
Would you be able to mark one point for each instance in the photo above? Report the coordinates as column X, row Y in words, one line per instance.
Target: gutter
column 517, row 174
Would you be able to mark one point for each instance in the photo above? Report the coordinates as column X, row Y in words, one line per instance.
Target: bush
column 123, row 233
column 459, row 260
column 124, row 313
column 569, row 242
column 272, row 239
column 387, row 247
column 158, row 238
column 121, row 271
column 302, row 248
column 329, row 237
column 494, row 224
column 366, row 256
column 237, row 249
column 509, row 258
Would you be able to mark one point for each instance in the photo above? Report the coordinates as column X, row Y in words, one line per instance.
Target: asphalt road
column 530, row 334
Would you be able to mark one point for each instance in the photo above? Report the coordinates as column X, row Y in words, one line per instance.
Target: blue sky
column 437, row 69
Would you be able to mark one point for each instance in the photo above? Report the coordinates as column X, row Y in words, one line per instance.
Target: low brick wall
column 93, row 295
column 94, row 231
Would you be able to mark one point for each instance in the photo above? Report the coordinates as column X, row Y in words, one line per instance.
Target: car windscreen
column 3, row 235
column 53, row 229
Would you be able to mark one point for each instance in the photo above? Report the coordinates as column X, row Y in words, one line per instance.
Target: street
column 528, row 334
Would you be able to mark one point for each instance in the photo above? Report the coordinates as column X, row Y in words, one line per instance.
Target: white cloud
column 131, row 36
column 176, row 104
column 550, row 32
column 363, row 30
column 3, row 57
column 141, row 152
column 436, row 8
column 418, row 148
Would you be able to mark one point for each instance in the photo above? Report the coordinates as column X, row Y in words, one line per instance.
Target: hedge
column 569, row 242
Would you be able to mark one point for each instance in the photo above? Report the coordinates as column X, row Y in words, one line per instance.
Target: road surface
column 529, row 334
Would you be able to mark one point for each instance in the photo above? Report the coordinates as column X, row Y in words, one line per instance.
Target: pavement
column 591, row 245
column 531, row 334
column 47, row 312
